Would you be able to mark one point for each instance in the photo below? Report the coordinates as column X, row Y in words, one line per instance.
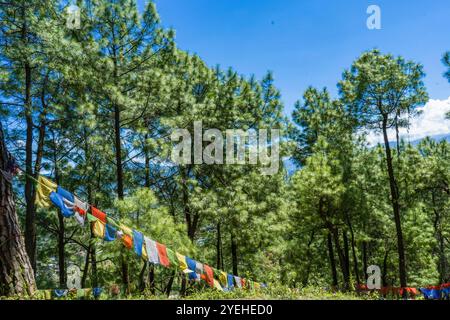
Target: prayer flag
column 238, row 281
column 182, row 262
column 192, row 267
column 110, row 233
column 44, row 188
column 98, row 214
column 64, row 207
column 162, row 253
column 152, row 251
column 98, row 229
column 209, row 275
column 223, row 278
column 230, row 281
column 138, row 240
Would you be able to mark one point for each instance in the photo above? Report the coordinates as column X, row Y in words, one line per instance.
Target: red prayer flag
column 162, row 252
column 98, row 214
column 209, row 273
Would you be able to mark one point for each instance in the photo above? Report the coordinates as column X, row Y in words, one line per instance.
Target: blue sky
column 309, row 42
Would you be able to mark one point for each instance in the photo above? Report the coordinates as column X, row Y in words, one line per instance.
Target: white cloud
column 430, row 123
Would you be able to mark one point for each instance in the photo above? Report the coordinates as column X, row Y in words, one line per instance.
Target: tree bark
column 234, row 254
column 364, row 254
column 308, row 258
column 142, row 284
column 218, row 248
column 170, row 283
column 341, row 255
column 396, row 207
column 332, row 261
column 151, row 279
column 16, row 272
column 30, row 218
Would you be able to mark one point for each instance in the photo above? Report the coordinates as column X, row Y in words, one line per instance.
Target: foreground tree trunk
column 16, row 272
column 396, row 207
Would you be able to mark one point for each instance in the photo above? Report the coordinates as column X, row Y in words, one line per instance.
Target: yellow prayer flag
column 217, row 285
column 98, row 229
column 223, row 278
column 144, row 252
column 182, row 261
column 43, row 190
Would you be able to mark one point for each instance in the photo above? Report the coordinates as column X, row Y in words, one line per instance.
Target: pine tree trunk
column 218, row 248
column 332, row 261
column 396, row 208
column 234, row 255
column 151, row 279
column 120, row 192
column 142, row 284
column 16, row 272
column 308, row 258
column 341, row 256
column 30, row 218
column 170, row 283
column 346, row 252
column 364, row 254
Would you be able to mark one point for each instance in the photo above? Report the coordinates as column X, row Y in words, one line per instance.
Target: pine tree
column 376, row 90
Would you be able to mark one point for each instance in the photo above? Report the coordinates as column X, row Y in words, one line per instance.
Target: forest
column 93, row 109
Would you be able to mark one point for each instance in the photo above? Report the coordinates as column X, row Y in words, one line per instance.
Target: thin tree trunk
column 61, row 252
column 396, row 208
column 16, row 272
column 341, row 256
column 86, row 267
column 30, row 218
column 384, row 275
column 151, row 279
column 234, row 254
column 332, row 261
column 170, row 283
column 346, row 253
column 61, row 228
column 142, row 283
column 218, row 248
column 183, row 284
column 364, row 253
column 308, row 258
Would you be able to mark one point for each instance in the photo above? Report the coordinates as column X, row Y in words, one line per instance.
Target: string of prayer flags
column 44, row 188
column 104, row 227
